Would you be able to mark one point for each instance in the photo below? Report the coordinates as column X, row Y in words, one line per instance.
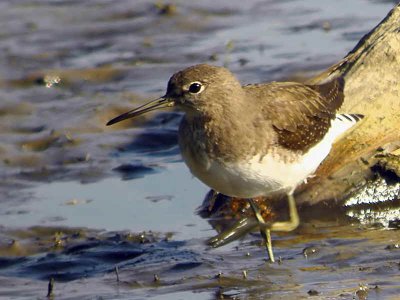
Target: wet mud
column 112, row 212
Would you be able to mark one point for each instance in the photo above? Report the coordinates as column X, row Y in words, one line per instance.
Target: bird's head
column 193, row 90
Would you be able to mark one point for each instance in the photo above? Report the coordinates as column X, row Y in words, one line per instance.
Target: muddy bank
column 78, row 199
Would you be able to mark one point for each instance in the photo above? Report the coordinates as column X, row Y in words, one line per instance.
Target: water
column 78, row 198
column 148, row 203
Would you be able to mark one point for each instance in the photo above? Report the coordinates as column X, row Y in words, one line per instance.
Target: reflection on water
column 69, row 66
column 112, row 204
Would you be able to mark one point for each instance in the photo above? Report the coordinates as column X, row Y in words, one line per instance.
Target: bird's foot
column 266, row 228
column 239, row 229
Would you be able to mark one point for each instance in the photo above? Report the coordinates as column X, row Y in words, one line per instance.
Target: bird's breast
column 244, row 177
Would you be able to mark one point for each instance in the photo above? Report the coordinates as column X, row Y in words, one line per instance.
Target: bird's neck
column 224, row 109
column 220, row 129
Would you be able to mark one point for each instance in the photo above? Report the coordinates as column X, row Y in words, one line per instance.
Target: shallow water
column 78, row 198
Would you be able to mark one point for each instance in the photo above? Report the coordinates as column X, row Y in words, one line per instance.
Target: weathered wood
column 372, row 74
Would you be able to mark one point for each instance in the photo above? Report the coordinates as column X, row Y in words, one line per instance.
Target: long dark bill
column 152, row 105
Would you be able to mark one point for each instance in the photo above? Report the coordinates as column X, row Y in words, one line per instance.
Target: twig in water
column 50, row 288
column 117, row 272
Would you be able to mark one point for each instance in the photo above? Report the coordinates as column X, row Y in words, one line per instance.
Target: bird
column 253, row 140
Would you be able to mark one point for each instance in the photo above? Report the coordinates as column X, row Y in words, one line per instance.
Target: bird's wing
column 300, row 114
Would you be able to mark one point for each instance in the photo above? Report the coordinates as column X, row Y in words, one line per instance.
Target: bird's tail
column 343, row 122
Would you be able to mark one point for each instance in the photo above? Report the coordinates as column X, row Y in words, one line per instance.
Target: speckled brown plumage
column 300, row 114
column 291, row 117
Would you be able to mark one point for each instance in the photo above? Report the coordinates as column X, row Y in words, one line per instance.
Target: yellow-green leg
column 265, row 229
column 265, row 232
column 294, row 219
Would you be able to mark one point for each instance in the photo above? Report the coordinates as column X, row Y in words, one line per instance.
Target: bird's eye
column 196, row 87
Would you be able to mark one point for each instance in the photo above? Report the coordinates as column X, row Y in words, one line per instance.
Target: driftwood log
column 372, row 75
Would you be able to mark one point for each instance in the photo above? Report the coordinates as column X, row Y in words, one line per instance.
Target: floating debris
column 392, row 247
column 309, row 251
column 166, row 9
column 326, row 25
column 313, row 292
column 362, row 292
column 50, row 80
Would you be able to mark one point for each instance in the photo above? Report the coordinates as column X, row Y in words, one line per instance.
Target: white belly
column 255, row 177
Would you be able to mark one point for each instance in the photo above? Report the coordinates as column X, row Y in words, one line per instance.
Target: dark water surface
column 78, row 199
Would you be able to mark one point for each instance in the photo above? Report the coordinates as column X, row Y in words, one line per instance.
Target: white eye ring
column 196, row 87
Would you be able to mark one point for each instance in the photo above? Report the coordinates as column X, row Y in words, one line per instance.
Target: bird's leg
column 294, row 219
column 247, row 224
column 264, row 230
column 239, row 229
